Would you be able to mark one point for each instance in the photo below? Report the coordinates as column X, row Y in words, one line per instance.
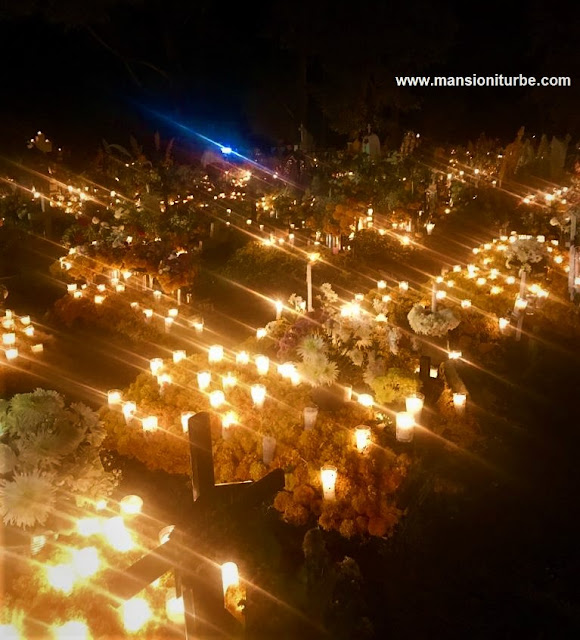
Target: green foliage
column 266, row 268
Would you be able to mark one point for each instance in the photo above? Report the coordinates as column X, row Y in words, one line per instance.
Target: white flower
column 525, row 251
column 27, row 500
column 427, row 323
column 311, row 346
column 328, row 292
column 297, row 303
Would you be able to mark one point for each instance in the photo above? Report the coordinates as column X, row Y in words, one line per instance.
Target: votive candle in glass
column 405, row 424
column 328, row 475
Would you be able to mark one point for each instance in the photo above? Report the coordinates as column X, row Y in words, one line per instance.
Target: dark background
column 248, row 73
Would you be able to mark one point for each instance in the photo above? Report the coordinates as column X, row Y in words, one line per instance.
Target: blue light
column 226, row 150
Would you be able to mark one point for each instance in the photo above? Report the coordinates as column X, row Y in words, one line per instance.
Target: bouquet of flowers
column 49, row 459
column 431, row 323
column 524, row 251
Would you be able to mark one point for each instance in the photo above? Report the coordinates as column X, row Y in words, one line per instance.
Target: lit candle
column 77, row 294
column 10, row 632
column 362, row 436
column 150, row 423
column 29, row 331
column 203, row 380
column 71, row 288
column 197, row 325
column 114, row 397
column 310, row 414
column 164, row 380
column 262, row 364
column 8, row 339
column 156, row 364
column 230, row 576
column 381, row 284
column 403, row 285
column 61, row 577
column 131, row 505
column 157, row 294
column 405, row 423
column 174, row 607
column 217, row 398
column 229, row 380
column 215, row 353
column 455, row 355
column 173, row 313
column 89, row 526
column 503, row 323
column 229, row 419
column 459, row 402
column 136, row 613
column 258, row 392
column 365, row 399
column 429, row 227
column 168, row 323
column 85, row 561
column 11, row 354
column 179, row 355
column 261, row 333
column 37, row 348
column 99, row 299
column 120, row 287
column 242, row 358
column 129, row 408
column 414, row 405
column 73, row 629
column 328, row 475
column 465, row 304
column 101, row 287
column 148, row 313
column 279, row 308
column 185, row 416
column 434, row 372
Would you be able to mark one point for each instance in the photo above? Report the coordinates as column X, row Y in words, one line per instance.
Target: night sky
column 85, row 71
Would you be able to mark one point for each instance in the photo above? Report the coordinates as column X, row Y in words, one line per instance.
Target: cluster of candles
column 84, row 563
column 13, row 325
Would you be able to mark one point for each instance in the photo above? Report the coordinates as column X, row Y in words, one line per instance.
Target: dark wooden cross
column 198, row 578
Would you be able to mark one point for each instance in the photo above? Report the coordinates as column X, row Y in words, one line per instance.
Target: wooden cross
column 198, row 578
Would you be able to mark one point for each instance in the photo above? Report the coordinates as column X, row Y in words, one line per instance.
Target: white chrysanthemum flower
column 27, row 499
column 311, row 346
column 7, row 459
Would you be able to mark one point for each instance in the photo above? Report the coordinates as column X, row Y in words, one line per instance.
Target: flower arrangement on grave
column 523, row 252
column 425, row 322
column 241, row 427
column 50, row 463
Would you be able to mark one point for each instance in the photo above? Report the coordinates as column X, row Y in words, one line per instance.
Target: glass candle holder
column 362, row 437
column 310, row 415
column 328, row 475
column 405, row 424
